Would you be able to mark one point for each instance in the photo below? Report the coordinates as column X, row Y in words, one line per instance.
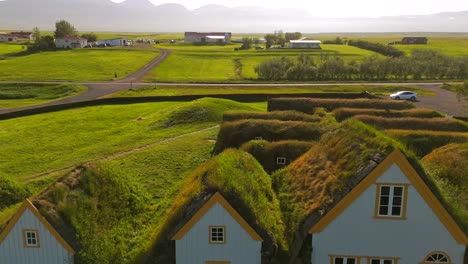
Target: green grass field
column 40, row 143
column 23, row 94
column 174, row 91
column 214, row 63
column 8, row 49
column 76, row 65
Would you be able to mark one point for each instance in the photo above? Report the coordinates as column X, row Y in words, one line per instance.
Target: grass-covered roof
column 241, row 180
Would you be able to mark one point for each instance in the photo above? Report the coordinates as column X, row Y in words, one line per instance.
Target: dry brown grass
column 414, row 123
column 344, row 113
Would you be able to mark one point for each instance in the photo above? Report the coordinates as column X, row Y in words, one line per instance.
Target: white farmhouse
column 217, row 234
column 30, row 239
column 304, row 44
column 8, row 38
column 389, row 217
column 116, row 42
column 70, row 42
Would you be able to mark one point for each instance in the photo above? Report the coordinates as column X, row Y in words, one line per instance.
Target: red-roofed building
column 23, row 35
column 70, row 42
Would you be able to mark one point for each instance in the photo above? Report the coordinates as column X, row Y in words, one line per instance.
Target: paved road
column 444, row 101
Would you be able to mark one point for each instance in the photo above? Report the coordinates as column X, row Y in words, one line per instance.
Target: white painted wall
column 68, row 43
column 356, row 232
column 239, row 248
column 50, row 251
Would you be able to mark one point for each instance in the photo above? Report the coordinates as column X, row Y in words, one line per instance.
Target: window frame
column 210, row 237
column 437, row 252
column 393, row 259
column 404, row 201
column 333, row 257
column 25, row 238
column 281, row 163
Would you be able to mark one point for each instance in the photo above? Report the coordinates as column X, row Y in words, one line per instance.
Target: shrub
column 344, row 113
column 234, row 134
column 267, row 152
column 377, row 47
column 414, row 123
column 422, row 142
column 307, row 105
column 276, row 115
column 11, row 192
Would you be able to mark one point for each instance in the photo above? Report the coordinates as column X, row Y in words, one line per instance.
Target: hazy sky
column 340, row 8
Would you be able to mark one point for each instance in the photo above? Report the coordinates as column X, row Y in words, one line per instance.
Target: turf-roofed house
column 29, row 238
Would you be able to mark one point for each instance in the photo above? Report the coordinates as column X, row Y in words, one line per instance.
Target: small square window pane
column 396, row 211
column 385, row 190
column 351, row 261
column 375, row 261
column 396, row 200
column 339, row 261
column 384, row 200
column 398, row 191
column 388, row 261
column 383, row 210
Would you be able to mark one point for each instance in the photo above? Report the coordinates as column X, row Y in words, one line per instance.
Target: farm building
column 304, row 44
column 389, row 216
column 23, row 35
column 414, row 40
column 207, row 37
column 115, row 42
column 217, row 234
column 70, row 42
column 8, row 38
column 30, row 239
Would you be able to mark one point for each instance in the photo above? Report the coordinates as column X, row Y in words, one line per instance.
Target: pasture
column 41, row 143
column 75, row 65
column 212, row 63
column 23, row 94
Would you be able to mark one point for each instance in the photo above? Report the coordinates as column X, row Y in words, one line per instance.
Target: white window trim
column 404, row 198
column 280, row 160
column 211, row 235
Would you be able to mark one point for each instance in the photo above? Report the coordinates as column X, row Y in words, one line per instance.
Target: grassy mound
column 344, row 113
column 11, row 192
column 276, row 115
column 267, row 152
column 317, row 179
column 422, row 142
column 203, row 110
column 307, row 105
column 448, row 165
column 102, row 208
column 413, row 123
column 247, row 187
column 234, row 134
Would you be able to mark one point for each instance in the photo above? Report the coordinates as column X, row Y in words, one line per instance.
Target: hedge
column 422, row 142
column 234, row 134
column 414, row 123
column 267, row 152
column 344, row 113
column 276, row 115
column 307, row 105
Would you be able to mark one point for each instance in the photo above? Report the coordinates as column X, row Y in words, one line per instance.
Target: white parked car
column 404, row 95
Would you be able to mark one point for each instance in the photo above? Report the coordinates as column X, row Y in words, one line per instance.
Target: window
column 30, row 238
column 281, row 160
column 391, row 201
column 437, row 257
column 344, row 260
column 217, row 235
column 381, row 261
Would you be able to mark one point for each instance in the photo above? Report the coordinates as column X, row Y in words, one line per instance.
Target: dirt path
column 119, row 154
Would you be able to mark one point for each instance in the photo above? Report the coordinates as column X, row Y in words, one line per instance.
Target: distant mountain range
column 143, row 16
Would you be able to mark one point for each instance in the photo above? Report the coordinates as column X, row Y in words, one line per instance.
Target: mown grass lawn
column 22, row 94
column 187, row 90
column 6, row 49
column 36, row 144
column 213, row 63
column 76, row 65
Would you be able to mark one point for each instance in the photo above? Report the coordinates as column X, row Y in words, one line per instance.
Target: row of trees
column 280, row 38
column 422, row 64
column 377, row 47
